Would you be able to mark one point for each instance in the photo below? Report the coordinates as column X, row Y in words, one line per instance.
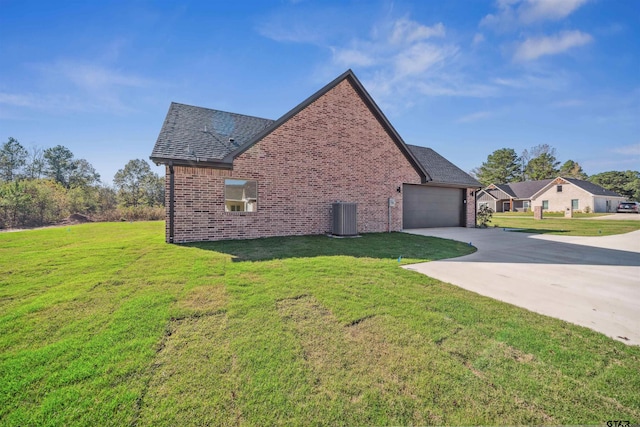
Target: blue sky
column 464, row 77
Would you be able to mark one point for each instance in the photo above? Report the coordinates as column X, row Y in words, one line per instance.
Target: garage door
column 425, row 207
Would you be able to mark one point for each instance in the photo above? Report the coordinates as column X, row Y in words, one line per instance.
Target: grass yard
column 105, row 324
column 576, row 226
column 550, row 214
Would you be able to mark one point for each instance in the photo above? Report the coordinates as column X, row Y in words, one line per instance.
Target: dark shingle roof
column 592, row 188
column 191, row 133
column 526, row 189
column 440, row 169
column 505, row 188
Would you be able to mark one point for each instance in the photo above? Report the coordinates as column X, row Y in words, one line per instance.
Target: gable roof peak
column 185, row 135
column 368, row 100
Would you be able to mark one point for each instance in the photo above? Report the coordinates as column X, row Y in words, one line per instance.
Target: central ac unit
column 345, row 219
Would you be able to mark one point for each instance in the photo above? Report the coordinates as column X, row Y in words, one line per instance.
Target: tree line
column 44, row 186
column 504, row 166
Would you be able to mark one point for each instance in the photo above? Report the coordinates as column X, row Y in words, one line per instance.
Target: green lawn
column 576, row 226
column 550, row 214
column 105, row 324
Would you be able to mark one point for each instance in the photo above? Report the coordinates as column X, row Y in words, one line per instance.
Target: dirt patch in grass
column 352, row 365
column 535, row 387
column 75, row 218
column 366, row 368
column 202, row 301
column 189, row 379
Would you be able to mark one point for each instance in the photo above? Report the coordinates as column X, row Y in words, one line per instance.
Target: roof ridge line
column 221, row 111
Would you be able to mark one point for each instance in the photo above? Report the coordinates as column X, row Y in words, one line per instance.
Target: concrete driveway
column 589, row 281
column 617, row 217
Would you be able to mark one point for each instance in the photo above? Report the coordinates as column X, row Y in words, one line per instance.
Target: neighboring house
column 554, row 195
column 514, row 197
column 231, row 176
column 576, row 194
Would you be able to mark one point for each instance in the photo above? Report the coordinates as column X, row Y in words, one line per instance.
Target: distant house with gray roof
column 234, row 176
column 554, row 195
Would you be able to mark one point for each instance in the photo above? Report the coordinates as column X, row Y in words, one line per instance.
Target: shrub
column 484, row 215
column 139, row 213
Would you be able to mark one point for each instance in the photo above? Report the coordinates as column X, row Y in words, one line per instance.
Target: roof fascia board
column 368, row 100
column 444, row 184
column 193, row 163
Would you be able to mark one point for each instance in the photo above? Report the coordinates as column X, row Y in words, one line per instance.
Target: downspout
column 171, row 201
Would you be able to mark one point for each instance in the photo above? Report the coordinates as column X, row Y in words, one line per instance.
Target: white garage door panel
column 425, row 207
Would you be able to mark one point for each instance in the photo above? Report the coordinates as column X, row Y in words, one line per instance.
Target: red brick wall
column 333, row 150
column 471, row 208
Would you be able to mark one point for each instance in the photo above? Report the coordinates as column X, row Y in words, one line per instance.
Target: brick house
column 554, row 195
column 232, row 176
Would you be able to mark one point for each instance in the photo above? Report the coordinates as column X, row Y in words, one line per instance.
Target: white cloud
column 54, row 102
column 17, row 100
column 96, row 77
column 79, row 86
column 548, row 81
column 303, row 24
column 352, row 57
column 473, row 117
column 420, row 57
column 293, row 33
column 400, row 62
column 502, row 21
column 513, row 83
column 405, row 30
column 533, row 48
column 405, row 60
column 542, row 10
column 513, row 13
column 477, row 39
column 629, row 150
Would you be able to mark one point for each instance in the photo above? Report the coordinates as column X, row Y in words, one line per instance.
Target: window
column 575, row 205
column 240, row 195
column 545, row 204
column 559, row 188
column 525, row 204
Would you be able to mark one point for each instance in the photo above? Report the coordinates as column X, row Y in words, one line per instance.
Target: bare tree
column 35, row 163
